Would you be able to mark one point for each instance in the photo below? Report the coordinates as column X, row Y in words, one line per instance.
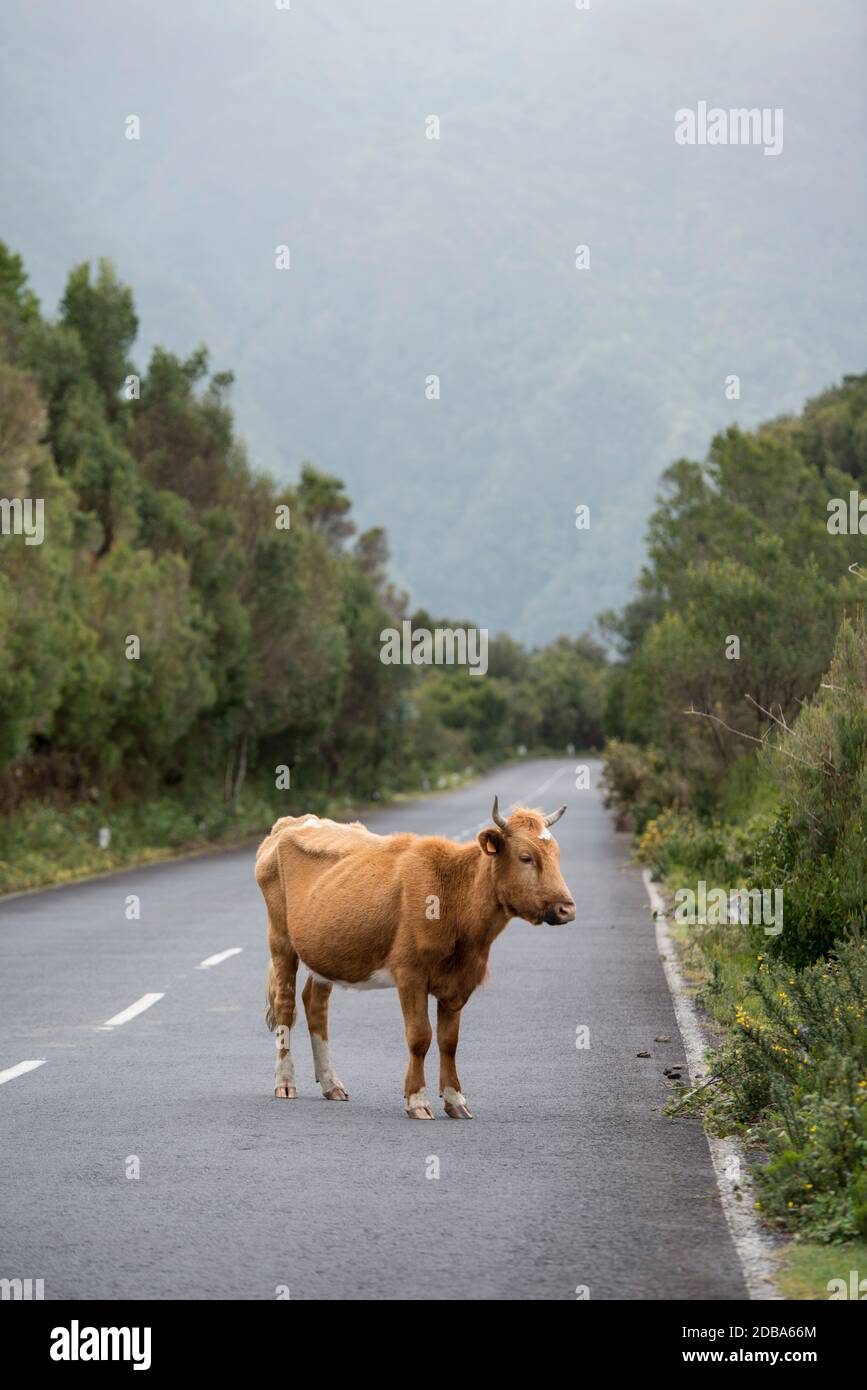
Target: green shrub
column 679, row 847
column 795, row 1081
column 823, row 894
column 816, row 851
column 639, row 785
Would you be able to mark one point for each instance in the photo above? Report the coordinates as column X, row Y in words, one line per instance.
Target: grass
column 806, row 1268
column 42, row 845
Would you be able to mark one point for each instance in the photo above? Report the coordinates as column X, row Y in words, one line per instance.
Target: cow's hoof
column 420, row 1112
column 336, row 1093
column 457, row 1112
column 286, row 1093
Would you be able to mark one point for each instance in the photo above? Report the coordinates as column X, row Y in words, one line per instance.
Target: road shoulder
column 757, row 1251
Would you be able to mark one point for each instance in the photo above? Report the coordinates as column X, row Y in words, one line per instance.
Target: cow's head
column 525, row 863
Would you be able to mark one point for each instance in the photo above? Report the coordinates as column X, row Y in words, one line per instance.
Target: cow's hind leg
column 448, row 1027
column 316, row 997
column 280, row 1013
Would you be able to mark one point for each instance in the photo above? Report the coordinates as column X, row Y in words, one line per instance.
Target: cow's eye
column 526, row 858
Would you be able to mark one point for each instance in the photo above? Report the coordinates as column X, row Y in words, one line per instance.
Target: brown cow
column 418, row 913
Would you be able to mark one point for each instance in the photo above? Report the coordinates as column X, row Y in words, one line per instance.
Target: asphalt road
column 568, row 1176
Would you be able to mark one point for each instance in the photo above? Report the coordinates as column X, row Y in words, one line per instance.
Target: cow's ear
column 491, row 841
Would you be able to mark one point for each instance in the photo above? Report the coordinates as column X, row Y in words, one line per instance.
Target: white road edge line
column 20, row 1069
column 754, row 1248
column 133, row 1011
column 220, row 956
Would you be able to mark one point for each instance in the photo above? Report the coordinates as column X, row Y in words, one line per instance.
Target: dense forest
column 738, row 756
column 189, row 627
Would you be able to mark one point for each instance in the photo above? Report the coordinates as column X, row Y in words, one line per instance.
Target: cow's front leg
column 413, row 1001
column 448, row 1028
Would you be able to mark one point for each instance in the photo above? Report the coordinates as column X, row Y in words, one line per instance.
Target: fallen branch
column 717, row 1076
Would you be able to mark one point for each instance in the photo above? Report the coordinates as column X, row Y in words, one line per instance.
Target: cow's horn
column 554, row 816
column 497, row 818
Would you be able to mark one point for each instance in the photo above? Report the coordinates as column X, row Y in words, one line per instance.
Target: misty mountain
column 456, row 257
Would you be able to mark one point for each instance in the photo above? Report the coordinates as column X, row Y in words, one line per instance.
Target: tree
column 103, row 316
column 325, row 505
column 38, row 623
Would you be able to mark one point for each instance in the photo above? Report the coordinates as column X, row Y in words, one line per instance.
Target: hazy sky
column 456, row 257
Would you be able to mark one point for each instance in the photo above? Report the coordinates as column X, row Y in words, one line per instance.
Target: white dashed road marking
column 134, row 1009
column 20, row 1069
column 548, row 782
column 221, row 955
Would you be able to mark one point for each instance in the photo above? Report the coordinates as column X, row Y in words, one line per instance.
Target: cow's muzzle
column 561, row 912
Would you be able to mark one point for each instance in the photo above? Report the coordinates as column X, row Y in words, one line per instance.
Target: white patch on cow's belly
column 380, row 979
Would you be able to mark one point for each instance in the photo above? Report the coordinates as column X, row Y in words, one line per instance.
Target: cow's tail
column 270, row 984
